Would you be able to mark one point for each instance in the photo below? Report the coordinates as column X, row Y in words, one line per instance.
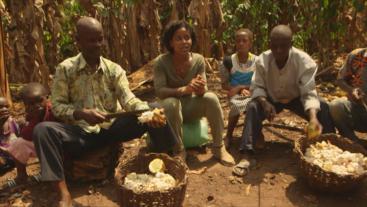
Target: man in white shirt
column 284, row 79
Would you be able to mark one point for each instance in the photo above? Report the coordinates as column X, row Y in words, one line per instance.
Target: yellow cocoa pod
column 156, row 165
column 312, row 131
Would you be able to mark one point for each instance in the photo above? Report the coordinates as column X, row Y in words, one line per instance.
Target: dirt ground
column 274, row 181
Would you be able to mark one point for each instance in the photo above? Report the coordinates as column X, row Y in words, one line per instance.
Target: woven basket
column 173, row 197
column 324, row 181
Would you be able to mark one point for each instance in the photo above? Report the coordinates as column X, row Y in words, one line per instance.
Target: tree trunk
column 42, row 71
column 4, row 84
column 133, row 37
column 53, row 26
column 219, row 26
column 174, row 12
column 26, row 38
column 199, row 11
column 151, row 28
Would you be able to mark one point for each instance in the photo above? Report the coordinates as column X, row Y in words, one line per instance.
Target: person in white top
column 236, row 73
column 284, row 79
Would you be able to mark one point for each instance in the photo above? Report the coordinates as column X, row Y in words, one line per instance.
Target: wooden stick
column 278, row 134
column 282, row 126
column 324, row 71
column 140, row 84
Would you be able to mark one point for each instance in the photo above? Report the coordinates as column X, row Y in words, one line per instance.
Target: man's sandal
column 242, row 168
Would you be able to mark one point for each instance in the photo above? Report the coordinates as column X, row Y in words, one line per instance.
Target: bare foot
column 66, row 201
column 65, row 204
column 223, row 156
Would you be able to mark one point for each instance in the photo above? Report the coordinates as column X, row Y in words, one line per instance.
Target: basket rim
column 301, row 156
column 119, row 178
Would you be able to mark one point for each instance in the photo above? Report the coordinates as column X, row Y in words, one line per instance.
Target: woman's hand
column 185, row 90
column 238, row 90
column 198, row 85
column 245, row 92
column 233, row 91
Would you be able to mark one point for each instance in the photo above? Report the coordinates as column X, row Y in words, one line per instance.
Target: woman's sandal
column 11, row 184
column 34, row 179
column 14, row 183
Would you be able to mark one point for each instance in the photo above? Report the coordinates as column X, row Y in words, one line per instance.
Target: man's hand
column 158, row 119
column 268, row 108
column 314, row 128
column 357, row 94
column 91, row 116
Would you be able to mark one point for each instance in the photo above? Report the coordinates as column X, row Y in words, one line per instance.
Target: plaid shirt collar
column 83, row 65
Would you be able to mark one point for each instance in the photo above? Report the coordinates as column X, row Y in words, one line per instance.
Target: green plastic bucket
column 195, row 133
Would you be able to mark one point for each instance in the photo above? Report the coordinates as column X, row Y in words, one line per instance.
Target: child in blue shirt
column 236, row 74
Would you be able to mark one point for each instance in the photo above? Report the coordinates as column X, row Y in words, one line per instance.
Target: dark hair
column 33, row 88
column 227, row 62
column 247, row 31
column 170, row 30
